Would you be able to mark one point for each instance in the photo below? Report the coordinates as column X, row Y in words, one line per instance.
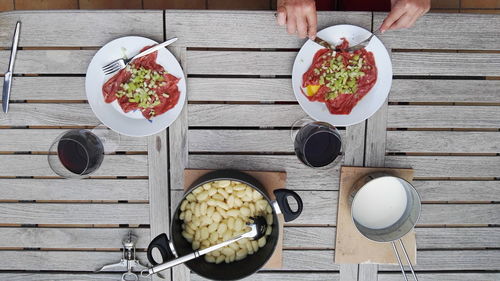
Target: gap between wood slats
column 442, row 51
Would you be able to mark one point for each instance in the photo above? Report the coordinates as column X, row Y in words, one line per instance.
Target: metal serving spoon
column 257, row 230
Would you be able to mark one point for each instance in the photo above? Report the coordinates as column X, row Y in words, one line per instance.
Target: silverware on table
column 358, row 46
column 257, row 230
column 122, row 63
column 7, row 80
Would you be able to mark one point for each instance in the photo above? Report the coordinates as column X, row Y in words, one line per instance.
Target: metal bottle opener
column 128, row 262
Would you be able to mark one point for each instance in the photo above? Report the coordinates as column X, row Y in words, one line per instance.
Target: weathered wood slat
column 67, row 189
column 320, row 207
column 49, row 61
column 463, row 276
column 460, row 214
column 40, row 139
column 453, row 64
column 48, row 88
column 445, row 31
column 458, row 190
column 415, row 116
column 447, row 166
column 84, row 238
column 239, row 89
column 37, row 165
column 298, row 175
column 44, row 114
column 294, row 238
column 240, row 62
column 244, row 115
column 453, row 238
column 45, row 213
column 289, row 276
column 259, row 28
column 61, row 260
column 79, row 28
column 453, row 260
column 159, row 186
column 443, row 141
column 242, row 140
column 439, row 90
column 60, row 276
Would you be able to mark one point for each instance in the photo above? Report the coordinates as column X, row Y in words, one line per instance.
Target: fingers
column 281, row 16
column 397, row 11
column 299, row 17
column 312, row 21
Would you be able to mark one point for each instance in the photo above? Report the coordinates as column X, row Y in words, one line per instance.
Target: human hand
column 404, row 13
column 299, row 17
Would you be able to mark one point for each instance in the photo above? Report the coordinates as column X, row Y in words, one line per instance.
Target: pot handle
column 160, row 242
column 281, row 199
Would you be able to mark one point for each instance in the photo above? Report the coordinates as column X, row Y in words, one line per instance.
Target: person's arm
column 299, row 17
column 404, row 13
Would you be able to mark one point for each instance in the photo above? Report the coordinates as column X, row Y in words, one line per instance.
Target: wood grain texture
column 60, row 276
column 159, row 197
column 449, row 238
column 84, row 238
column 414, row 116
column 443, row 141
column 259, row 28
column 447, row 64
column 43, row 114
column 447, row 166
column 48, row 88
column 40, row 140
column 61, row 260
column 463, row 276
column 239, row 62
column 453, row 260
column 244, row 115
column 37, row 165
column 376, row 130
column 6, row 5
column 113, row 4
column 445, row 31
column 439, row 90
column 309, row 237
column 349, row 272
column 68, row 189
column 178, row 149
column 235, row 5
column 45, row 213
column 298, row 175
column 458, row 190
column 78, row 28
column 368, row 272
column 460, row 214
column 49, row 61
column 239, row 89
column 242, row 140
column 174, row 4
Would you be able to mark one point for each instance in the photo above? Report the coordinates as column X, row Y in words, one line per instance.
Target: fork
column 363, row 43
column 122, row 63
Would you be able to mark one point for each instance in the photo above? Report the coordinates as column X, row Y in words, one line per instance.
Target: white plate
column 111, row 114
column 371, row 102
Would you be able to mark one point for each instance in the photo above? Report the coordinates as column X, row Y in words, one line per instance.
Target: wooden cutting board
column 351, row 247
column 270, row 181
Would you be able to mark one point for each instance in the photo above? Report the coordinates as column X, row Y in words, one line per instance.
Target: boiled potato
column 220, row 210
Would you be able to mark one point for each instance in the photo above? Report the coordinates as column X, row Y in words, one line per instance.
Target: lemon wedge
column 312, row 89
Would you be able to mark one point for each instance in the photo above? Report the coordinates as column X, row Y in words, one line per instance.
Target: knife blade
column 320, row 41
column 7, row 81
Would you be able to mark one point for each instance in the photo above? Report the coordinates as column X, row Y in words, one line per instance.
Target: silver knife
column 7, row 80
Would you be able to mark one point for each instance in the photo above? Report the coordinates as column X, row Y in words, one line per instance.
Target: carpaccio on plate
column 143, row 85
column 340, row 79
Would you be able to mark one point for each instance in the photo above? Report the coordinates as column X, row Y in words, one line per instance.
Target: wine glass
column 317, row 144
column 77, row 153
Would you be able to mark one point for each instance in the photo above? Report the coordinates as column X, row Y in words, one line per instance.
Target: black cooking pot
column 178, row 246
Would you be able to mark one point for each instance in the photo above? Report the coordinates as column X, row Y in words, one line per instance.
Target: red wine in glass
column 317, row 144
column 79, row 153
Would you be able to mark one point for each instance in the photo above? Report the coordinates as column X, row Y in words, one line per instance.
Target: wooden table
column 442, row 119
